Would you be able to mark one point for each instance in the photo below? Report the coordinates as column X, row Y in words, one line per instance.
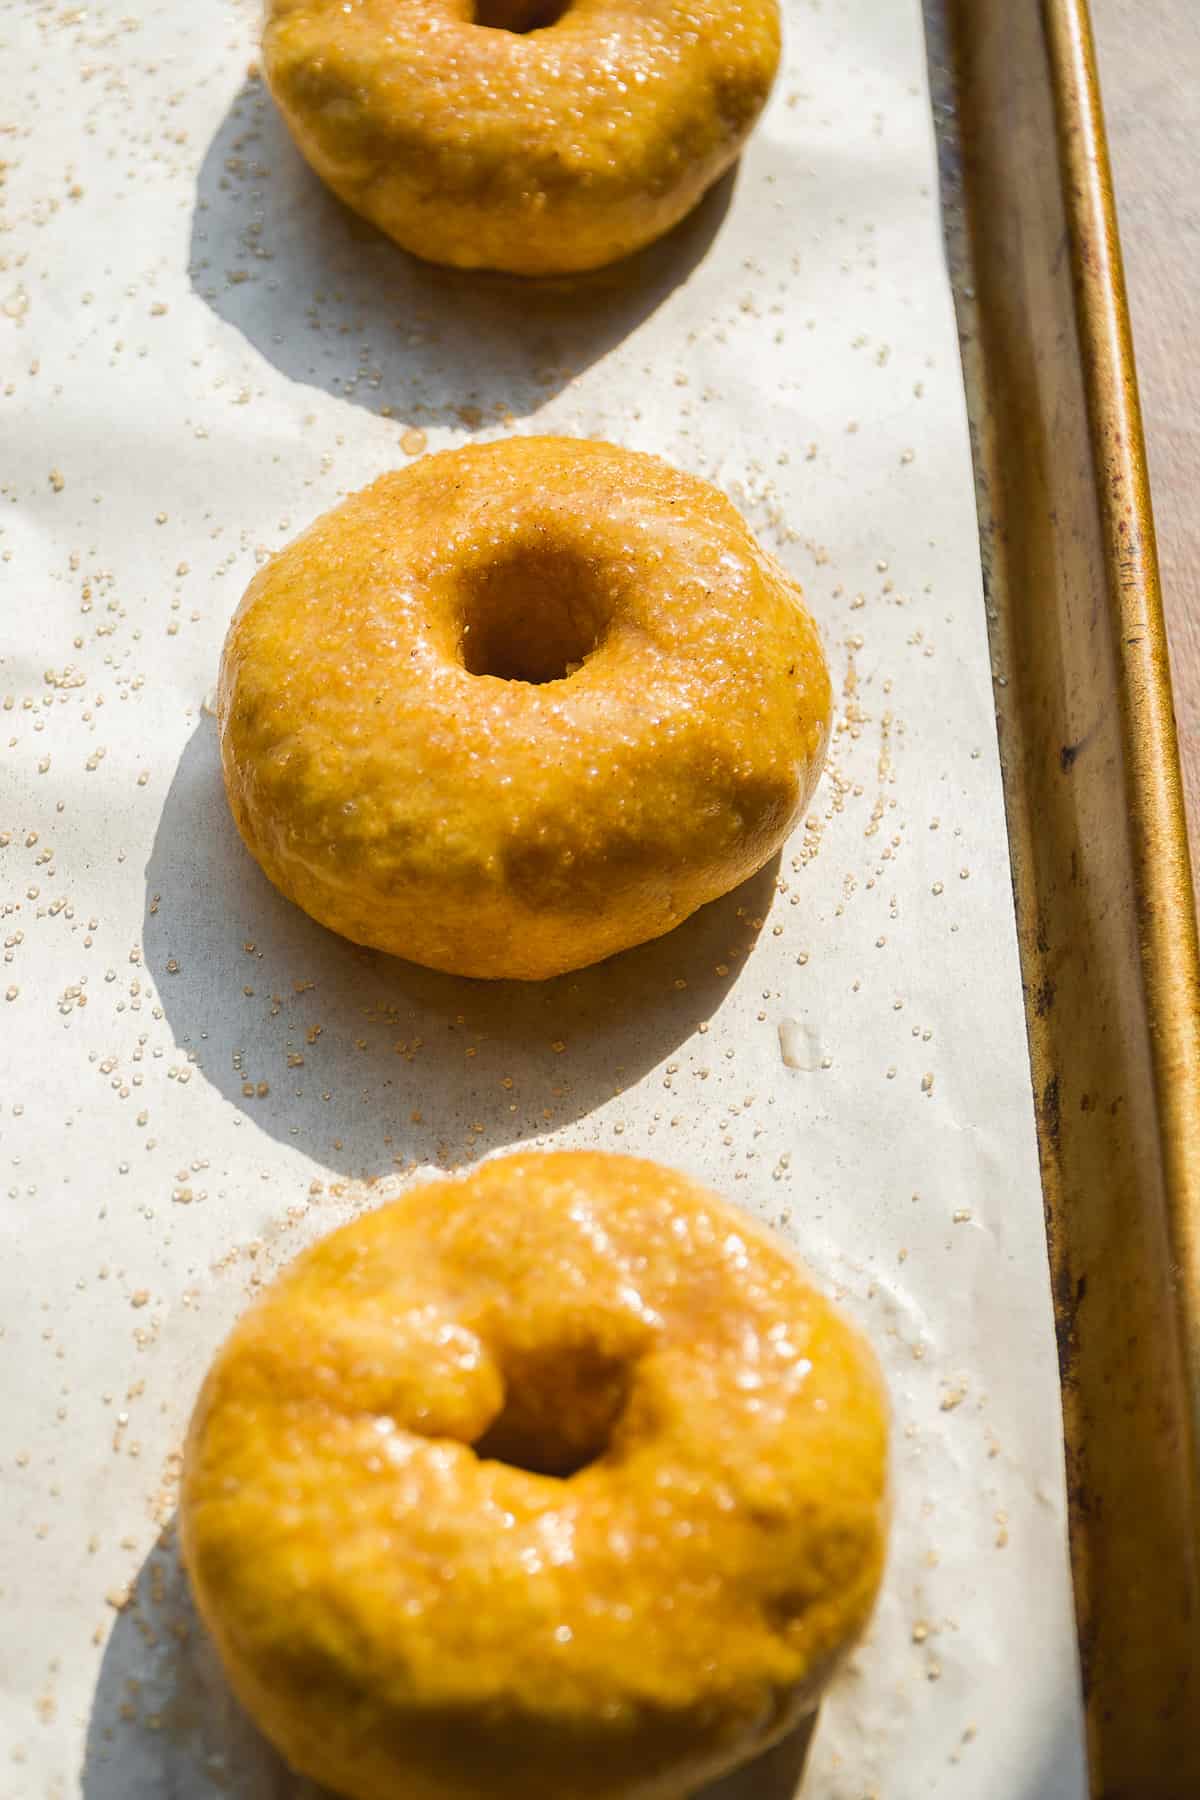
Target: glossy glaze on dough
column 538, row 152
column 520, row 827
column 410, row 1619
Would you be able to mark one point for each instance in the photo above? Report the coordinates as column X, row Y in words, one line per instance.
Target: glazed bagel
column 556, row 1482
column 520, row 706
column 524, row 135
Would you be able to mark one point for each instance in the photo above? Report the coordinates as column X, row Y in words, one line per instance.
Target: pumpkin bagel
column 520, row 706
column 559, row 1481
column 526, row 135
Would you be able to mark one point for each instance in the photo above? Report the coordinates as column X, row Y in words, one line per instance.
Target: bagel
column 523, row 135
column 520, row 706
column 554, row 1482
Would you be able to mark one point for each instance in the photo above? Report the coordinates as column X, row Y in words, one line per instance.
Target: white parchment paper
column 199, row 351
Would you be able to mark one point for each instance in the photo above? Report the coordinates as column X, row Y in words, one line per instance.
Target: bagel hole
column 534, row 615
column 560, row 1410
column 519, row 15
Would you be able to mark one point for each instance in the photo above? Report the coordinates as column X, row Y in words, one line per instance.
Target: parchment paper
column 200, row 351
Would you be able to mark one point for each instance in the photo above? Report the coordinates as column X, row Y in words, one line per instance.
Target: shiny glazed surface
column 648, row 715
column 516, row 145
column 554, row 1482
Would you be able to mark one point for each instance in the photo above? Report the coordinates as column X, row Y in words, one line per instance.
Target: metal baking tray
column 1098, row 843
column 1094, row 821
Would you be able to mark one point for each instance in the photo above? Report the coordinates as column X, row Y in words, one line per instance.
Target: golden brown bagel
column 556, row 1482
column 525, row 135
column 520, row 706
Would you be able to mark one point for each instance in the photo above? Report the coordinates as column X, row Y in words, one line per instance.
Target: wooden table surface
column 1149, row 53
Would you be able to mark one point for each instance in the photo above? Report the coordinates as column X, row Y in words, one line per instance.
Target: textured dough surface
column 410, row 1618
column 537, row 152
column 520, row 827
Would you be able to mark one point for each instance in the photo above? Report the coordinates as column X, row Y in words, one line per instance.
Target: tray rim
column 1154, row 795
column 1015, row 84
column 1171, row 945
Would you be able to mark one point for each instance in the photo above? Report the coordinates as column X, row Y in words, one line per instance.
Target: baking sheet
column 200, row 352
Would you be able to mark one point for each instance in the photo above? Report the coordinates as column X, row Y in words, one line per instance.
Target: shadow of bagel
column 333, row 304
column 370, row 1064
column 165, row 1725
